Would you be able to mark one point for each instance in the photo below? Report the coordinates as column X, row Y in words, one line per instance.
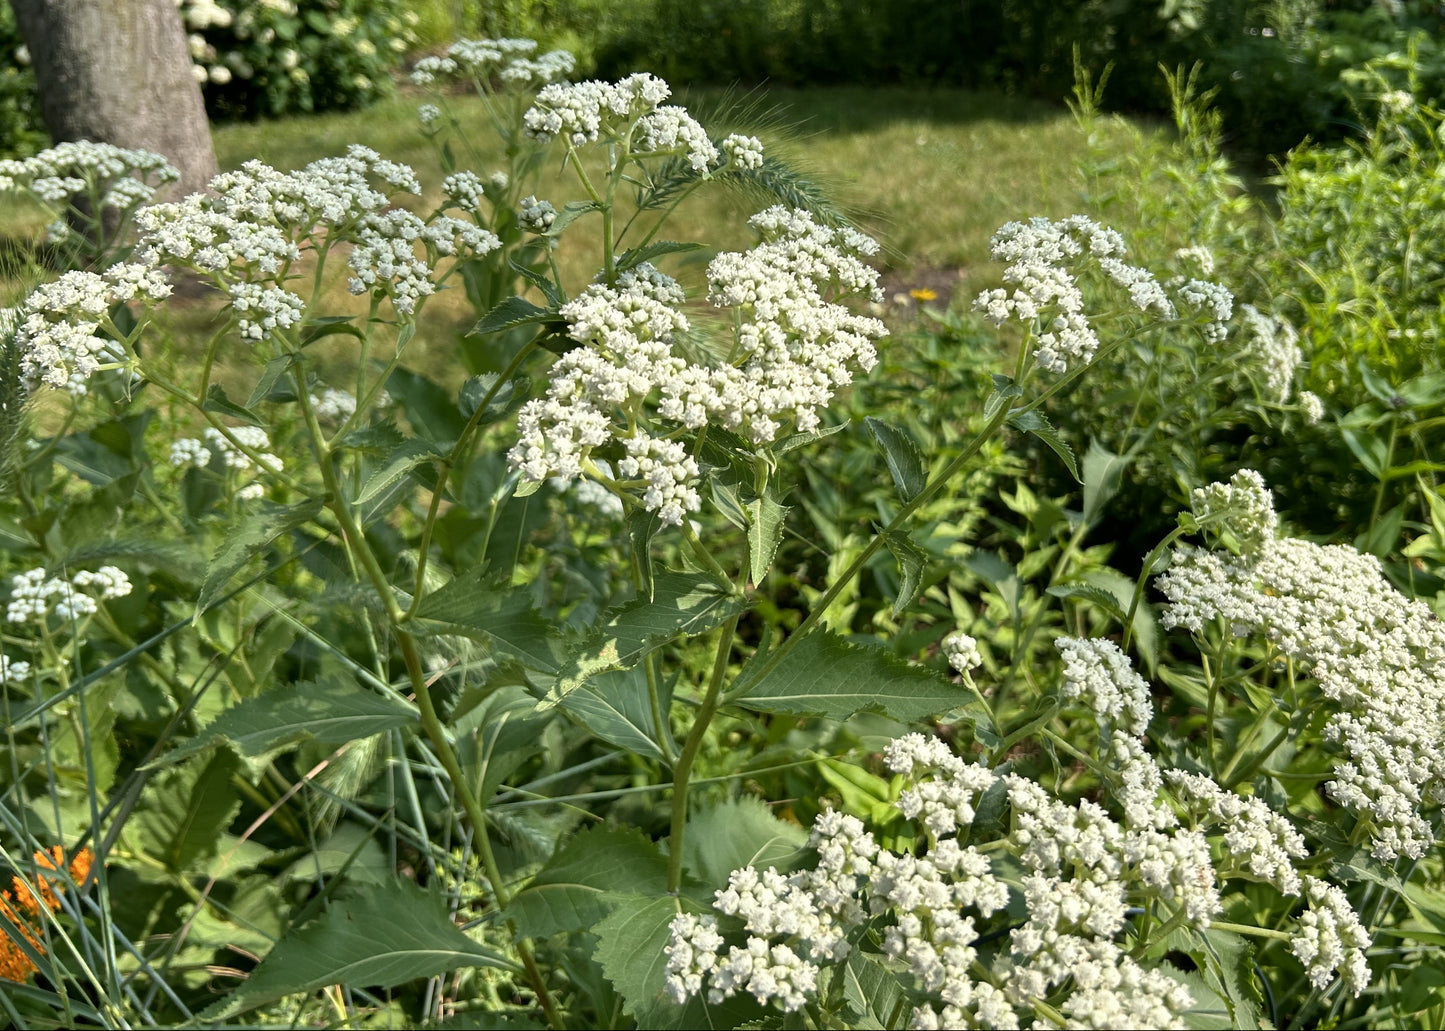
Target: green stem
column 430, row 721
column 926, row 495
column 1252, row 931
column 683, row 770
column 453, row 458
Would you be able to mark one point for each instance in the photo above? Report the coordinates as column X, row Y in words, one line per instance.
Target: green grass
column 935, row 171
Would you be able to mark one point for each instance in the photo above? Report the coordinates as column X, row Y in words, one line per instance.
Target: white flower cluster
column 244, row 237
column 1045, row 262
column 13, row 671
column 629, row 110
column 1080, row 866
column 34, row 595
column 59, row 325
column 1274, row 346
column 1378, row 658
column 743, row 151
column 189, row 451
column 795, row 346
column 1331, row 938
column 1244, row 505
column 1209, row 301
column 1098, row 674
column 512, row 62
column 1266, row 841
column 962, row 653
column 121, row 177
column 332, row 405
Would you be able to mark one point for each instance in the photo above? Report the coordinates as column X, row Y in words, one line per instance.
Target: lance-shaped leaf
column 637, row 255
column 912, row 561
column 766, row 517
column 904, row 457
column 183, row 811
column 683, row 604
column 253, row 536
column 392, row 934
column 824, row 675
column 1033, row 422
column 397, row 466
column 514, row 311
column 617, row 707
column 330, row 711
column 478, row 606
column 571, row 892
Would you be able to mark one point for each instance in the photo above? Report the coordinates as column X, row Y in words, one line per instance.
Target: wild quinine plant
column 325, row 676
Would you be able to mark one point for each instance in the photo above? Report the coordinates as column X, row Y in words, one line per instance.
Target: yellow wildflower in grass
column 922, row 293
column 26, row 903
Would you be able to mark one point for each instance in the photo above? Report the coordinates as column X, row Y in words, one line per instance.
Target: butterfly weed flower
column 29, row 899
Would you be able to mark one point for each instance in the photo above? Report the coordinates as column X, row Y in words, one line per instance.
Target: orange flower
column 15, row 965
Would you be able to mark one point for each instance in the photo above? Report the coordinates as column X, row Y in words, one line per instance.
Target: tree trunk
column 119, row 72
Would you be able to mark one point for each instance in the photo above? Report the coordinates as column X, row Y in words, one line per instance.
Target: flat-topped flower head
column 795, row 346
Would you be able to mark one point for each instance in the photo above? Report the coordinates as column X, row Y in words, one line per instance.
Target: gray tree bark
column 119, row 72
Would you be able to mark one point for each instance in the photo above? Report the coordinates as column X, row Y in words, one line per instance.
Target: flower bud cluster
column 794, row 347
column 1331, row 938
column 34, row 596
column 1378, row 659
column 962, row 653
column 1244, row 505
column 630, row 110
column 121, row 177
column 512, row 62
column 59, row 326
column 536, row 216
column 244, row 237
column 744, row 152
column 1045, row 262
column 1274, row 347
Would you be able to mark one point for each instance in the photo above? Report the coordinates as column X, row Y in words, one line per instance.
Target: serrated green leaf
column 274, row 370
column 824, row 675
column 538, row 278
column 391, row 934
column 571, row 211
column 642, row 526
column 329, row 325
column 398, row 464
column 870, row 990
column 480, row 607
column 617, row 708
column 182, row 811
column 508, row 396
column 682, row 605
column 765, row 532
column 570, row 893
column 637, row 255
column 514, row 311
column 1102, row 472
column 1035, row 423
column 1098, row 595
column 912, row 561
column 737, row 833
column 329, row 711
column 904, row 457
column 253, row 536
column 217, row 401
